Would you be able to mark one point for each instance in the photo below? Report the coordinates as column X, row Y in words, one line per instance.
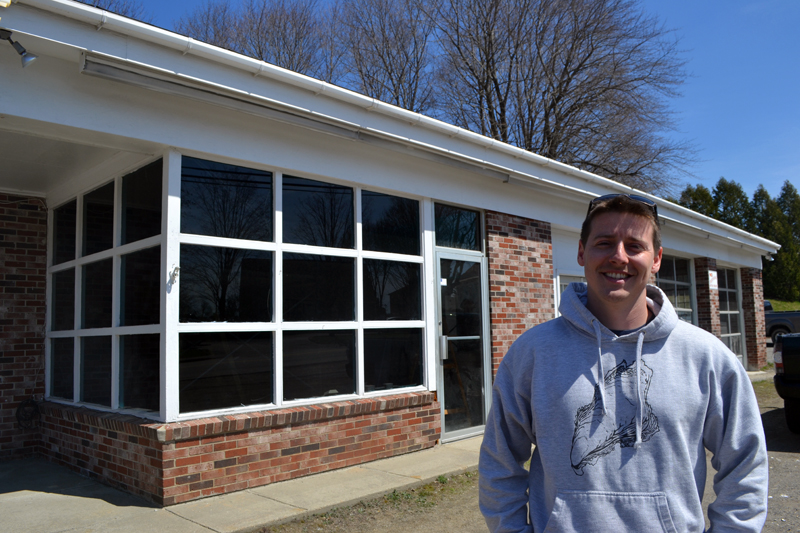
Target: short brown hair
column 621, row 204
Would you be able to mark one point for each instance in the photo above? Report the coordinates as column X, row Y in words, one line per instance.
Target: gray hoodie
column 620, row 426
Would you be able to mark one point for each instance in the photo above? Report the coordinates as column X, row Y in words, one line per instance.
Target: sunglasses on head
column 635, row 197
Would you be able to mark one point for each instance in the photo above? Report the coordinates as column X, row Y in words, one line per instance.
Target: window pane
column 392, row 358
column 389, row 223
column 318, row 363
column 457, row 228
column 317, row 287
column 225, row 200
column 141, row 292
column 723, row 300
column 722, row 279
column 64, row 232
column 391, row 290
column 64, row 300
column 667, row 270
column 461, row 298
column 139, row 371
column 317, row 213
column 682, row 270
column 96, row 370
column 97, row 294
column 734, row 321
column 686, row 316
column 724, row 322
column 684, row 298
column 62, row 357
column 225, row 284
column 731, row 275
column 220, row 370
column 735, row 344
column 98, row 220
column 141, row 203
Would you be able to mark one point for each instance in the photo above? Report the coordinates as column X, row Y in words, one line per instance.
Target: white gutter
column 186, row 45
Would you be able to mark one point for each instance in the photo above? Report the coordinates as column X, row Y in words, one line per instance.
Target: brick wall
column 707, row 298
column 520, row 278
column 178, row 462
column 753, row 311
column 23, row 256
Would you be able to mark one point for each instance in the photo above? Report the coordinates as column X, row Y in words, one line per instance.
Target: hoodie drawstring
column 601, row 380
column 640, row 402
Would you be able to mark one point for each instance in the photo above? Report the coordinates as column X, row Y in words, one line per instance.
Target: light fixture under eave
column 26, row 57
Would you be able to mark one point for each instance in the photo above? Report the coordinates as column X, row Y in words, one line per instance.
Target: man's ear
column 580, row 253
column 657, row 261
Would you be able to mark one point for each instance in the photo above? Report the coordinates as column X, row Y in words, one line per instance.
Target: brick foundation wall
column 753, row 311
column 707, row 298
column 183, row 461
column 23, row 269
column 521, row 293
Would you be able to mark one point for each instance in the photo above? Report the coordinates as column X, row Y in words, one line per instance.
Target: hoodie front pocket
column 617, row 512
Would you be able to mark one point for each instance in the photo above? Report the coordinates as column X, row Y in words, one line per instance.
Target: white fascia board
column 135, row 42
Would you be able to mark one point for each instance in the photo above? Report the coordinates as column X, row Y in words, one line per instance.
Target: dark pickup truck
column 787, row 377
column 780, row 322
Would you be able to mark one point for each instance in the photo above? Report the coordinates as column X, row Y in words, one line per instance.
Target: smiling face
column 618, row 258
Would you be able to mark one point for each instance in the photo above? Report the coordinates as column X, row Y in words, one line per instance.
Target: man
column 621, row 399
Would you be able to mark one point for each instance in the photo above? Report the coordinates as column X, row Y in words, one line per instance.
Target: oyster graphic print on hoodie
column 609, row 420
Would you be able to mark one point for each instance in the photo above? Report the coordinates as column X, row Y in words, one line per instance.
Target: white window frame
column 278, row 326
column 691, row 284
column 115, row 331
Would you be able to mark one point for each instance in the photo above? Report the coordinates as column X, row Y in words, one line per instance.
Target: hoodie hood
column 573, row 308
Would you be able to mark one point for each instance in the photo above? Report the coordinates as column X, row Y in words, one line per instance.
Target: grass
column 780, row 305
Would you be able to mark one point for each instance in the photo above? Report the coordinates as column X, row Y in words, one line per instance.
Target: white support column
column 431, row 285
column 277, row 340
column 170, row 259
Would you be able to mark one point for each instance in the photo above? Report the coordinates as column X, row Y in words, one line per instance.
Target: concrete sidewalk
column 40, row 497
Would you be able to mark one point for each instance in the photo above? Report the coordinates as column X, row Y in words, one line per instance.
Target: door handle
column 443, row 345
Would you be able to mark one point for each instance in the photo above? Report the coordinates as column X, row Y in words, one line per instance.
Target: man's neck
column 620, row 318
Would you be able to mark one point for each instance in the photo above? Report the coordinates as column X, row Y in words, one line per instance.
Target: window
column 729, row 316
column 284, row 290
column 458, row 228
column 330, row 306
column 107, row 330
column 675, row 280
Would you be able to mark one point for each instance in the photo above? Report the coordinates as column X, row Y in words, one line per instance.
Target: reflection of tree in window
column 389, row 223
column 461, row 297
column 317, row 213
column 225, row 284
column 391, row 290
column 457, row 228
column 225, row 200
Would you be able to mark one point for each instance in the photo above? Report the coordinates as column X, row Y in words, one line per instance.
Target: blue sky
column 740, row 106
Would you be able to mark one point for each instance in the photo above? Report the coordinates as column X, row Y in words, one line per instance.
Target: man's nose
column 619, row 254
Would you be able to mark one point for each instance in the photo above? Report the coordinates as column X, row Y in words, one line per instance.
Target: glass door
column 463, row 350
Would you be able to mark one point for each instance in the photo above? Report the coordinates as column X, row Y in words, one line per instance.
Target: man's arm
column 734, row 434
column 506, row 447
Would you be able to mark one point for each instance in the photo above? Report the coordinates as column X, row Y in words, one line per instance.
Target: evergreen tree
column 698, row 198
column 780, row 276
column 731, row 204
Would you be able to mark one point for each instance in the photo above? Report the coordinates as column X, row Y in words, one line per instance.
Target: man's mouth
column 617, row 275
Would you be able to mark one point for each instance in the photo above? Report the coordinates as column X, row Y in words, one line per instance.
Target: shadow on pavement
column 38, row 475
column 779, row 438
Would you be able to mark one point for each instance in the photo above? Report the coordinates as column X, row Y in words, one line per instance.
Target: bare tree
column 298, row 35
column 585, row 82
column 388, row 45
column 127, row 8
column 213, row 22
